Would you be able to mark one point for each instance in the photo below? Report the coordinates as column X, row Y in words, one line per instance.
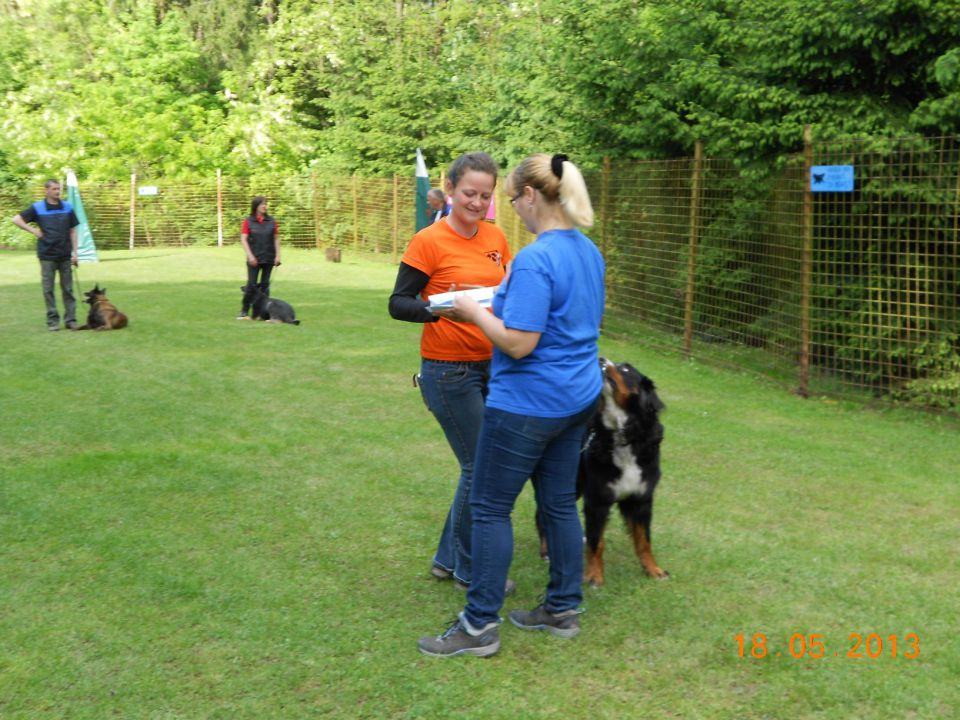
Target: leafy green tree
column 138, row 99
column 183, row 86
column 746, row 77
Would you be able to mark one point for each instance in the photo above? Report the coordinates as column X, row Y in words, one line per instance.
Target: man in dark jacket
column 56, row 231
column 438, row 205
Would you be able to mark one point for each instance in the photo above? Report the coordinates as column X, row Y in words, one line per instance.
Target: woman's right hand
column 252, row 261
column 464, row 309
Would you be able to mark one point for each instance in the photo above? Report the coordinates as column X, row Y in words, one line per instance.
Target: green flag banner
column 86, row 249
column 423, row 187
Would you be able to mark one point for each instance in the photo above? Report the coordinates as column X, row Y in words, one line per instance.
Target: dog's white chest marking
column 630, row 481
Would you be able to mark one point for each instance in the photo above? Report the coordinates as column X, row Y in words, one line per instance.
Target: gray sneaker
column 564, row 624
column 457, row 641
column 441, row 573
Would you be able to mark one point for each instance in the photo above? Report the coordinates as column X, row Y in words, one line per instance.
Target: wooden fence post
column 692, row 247
column 610, row 288
column 356, row 215
column 396, row 217
column 316, row 207
column 219, row 208
column 806, row 264
column 133, row 207
column 604, row 204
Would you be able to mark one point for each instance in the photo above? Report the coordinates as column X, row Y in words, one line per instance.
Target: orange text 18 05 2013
column 858, row 646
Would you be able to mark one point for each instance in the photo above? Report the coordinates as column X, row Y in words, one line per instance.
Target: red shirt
column 246, row 226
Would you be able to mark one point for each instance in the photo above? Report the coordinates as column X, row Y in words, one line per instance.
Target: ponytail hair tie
column 556, row 164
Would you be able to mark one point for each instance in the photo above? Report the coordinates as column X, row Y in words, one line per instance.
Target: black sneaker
column 456, row 640
column 564, row 624
column 508, row 589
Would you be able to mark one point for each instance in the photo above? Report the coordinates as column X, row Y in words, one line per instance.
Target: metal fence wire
column 825, row 292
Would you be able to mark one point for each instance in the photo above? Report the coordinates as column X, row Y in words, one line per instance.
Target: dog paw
column 594, row 581
column 659, row 574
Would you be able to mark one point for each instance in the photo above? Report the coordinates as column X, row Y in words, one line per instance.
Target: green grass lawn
column 206, row 518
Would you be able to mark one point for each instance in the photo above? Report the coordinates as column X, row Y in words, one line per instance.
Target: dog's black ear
column 648, row 398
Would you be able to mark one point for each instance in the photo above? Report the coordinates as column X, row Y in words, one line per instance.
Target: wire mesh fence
column 823, row 291
column 837, row 290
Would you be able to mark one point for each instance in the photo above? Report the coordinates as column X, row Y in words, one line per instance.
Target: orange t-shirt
column 451, row 259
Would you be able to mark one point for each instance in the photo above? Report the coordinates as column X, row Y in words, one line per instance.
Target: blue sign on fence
column 831, row 178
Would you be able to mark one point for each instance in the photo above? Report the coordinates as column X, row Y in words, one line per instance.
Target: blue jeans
column 455, row 394
column 511, row 449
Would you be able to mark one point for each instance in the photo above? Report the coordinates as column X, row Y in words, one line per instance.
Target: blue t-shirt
column 555, row 287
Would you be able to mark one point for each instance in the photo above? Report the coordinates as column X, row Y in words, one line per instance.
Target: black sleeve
column 29, row 215
column 404, row 303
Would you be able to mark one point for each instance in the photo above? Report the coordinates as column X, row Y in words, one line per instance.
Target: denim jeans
column 455, row 394
column 48, row 271
column 511, row 449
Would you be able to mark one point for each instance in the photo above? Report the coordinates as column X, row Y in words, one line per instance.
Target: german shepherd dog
column 268, row 308
column 620, row 464
column 103, row 314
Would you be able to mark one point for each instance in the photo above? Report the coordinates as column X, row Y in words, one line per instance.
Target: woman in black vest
column 262, row 245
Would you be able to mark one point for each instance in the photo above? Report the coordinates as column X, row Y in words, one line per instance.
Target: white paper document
column 444, row 301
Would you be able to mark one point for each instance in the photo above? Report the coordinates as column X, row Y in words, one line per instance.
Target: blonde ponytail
column 574, row 196
column 559, row 181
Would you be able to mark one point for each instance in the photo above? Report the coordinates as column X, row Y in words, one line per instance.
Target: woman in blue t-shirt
column 544, row 386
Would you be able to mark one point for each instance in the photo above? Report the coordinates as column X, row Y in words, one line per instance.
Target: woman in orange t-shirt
column 457, row 252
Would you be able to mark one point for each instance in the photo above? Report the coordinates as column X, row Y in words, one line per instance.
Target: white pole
column 133, row 207
column 219, row 209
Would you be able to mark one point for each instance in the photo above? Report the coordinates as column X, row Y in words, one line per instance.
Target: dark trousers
column 263, row 271
column 48, row 271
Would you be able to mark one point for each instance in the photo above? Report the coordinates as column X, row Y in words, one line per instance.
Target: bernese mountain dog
column 620, row 464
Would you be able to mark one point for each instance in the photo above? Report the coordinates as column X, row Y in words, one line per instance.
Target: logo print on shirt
column 495, row 256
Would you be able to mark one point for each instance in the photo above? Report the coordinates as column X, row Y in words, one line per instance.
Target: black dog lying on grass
column 268, row 308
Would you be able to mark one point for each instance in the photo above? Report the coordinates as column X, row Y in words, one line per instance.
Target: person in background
column 544, row 387
column 457, row 251
column 56, row 234
column 260, row 239
column 438, row 205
